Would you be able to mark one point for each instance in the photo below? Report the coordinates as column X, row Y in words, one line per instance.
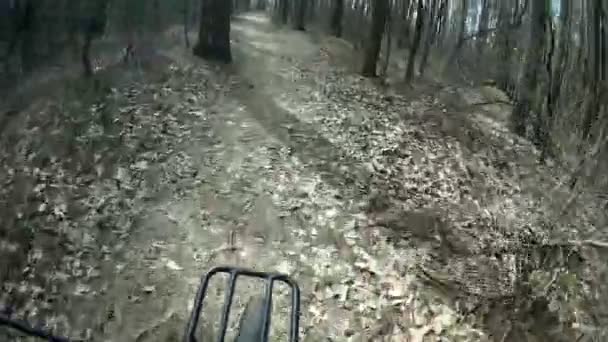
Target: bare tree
column 186, row 23
column 534, row 53
column 283, row 10
column 300, row 15
column 23, row 13
column 373, row 43
column 214, row 30
column 420, row 14
column 260, row 5
column 94, row 26
column 462, row 30
column 337, row 18
column 431, row 33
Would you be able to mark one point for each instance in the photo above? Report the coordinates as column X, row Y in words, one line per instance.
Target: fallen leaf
column 172, row 265
column 149, row 289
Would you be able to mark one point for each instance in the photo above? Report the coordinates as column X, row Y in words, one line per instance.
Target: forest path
column 270, row 190
column 285, row 161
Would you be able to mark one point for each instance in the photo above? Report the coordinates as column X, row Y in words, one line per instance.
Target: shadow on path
column 333, row 164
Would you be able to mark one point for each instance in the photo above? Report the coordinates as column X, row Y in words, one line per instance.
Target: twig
column 491, row 103
column 507, row 332
column 568, row 203
column 591, row 243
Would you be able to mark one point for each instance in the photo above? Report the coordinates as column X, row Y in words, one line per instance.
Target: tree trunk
column 300, row 15
column 420, row 13
column 337, row 17
column 484, row 19
column 94, row 27
column 186, row 23
column 261, row 5
column 503, row 38
column 87, row 65
column 430, row 38
column 22, row 34
column 462, row 30
column 443, row 20
column 158, row 25
column 284, row 11
column 374, row 39
column 594, row 68
column 402, row 39
column 389, row 45
column 529, row 81
column 214, row 31
column 240, row 6
column 544, row 121
column 556, row 68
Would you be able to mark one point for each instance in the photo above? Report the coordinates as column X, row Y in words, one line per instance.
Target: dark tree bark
column 86, row 55
column 403, row 39
column 186, row 23
column 534, row 53
column 594, row 67
column 261, row 5
column 555, row 68
column 94, row 26
column 284, row 11
column 420, row 14
column 337, row 17
column 460, row 40
column 300, row 15
column 430, row 37
column 157, row 26
column 545, row 120
column 214, row 31
column 442, row 19
column 240, row 6
column 380, row 10
column 510, row 18
column 563, row 46
column 484, row 19
column 23, row 27
column 389, row 45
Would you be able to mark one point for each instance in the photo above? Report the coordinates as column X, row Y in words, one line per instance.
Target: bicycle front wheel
column 251, row 324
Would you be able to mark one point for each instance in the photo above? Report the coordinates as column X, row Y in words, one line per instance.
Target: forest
column 426, row 170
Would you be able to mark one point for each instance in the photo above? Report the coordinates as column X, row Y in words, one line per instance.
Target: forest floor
column 404, row 216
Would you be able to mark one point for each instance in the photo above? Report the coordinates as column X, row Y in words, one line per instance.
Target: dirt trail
column 265, row 167
column 266, row 177
column 242, row 151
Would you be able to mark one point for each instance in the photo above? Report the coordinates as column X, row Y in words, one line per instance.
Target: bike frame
column 233, row 274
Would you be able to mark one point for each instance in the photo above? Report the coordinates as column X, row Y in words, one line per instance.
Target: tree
column 157, row 24
column 214, row 31
column 260, row 5
column 186, row 22
column 529, row 80
column 239, row 6
column 595, row 65
column 420, row 14
column 462, row 29
column 94, row 26
column 373, row 43
column 337, row 17
column 300, row 15
column 431, row 33
column 23, row 14
column 484, row 19
column 282, row 11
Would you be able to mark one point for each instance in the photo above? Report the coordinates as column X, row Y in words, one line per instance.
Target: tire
column 252, row 321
